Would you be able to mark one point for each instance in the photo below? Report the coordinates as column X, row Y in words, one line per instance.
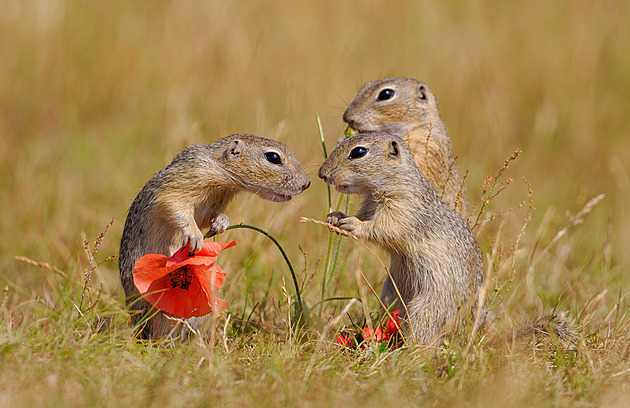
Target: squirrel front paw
column 334, row 217
column 193, row 237
column 342, row 221
column 349, row 224
column 218, row 224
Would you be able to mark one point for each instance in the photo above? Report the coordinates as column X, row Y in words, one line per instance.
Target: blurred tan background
column 97, row 96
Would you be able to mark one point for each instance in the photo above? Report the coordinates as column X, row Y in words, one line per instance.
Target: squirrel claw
column 335, row 217
column 194, row 242
column 218, row 224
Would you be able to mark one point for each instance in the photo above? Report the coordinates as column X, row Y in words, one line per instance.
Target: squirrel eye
column 358, row 152
column 385, row 94
column 273, row 157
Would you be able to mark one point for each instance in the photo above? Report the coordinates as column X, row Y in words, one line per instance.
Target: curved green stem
column 299, row 304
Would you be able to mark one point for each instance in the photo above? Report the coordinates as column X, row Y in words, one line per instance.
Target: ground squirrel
column 435, row 259
column 190, row 195
column 407, row 108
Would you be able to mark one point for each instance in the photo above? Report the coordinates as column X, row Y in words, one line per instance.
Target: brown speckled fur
column 411, row 114
column 435, row 260
column 189, row 196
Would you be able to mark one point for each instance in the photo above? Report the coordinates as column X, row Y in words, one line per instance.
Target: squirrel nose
column 352, row 121
column 307, row 185
column 347, row 117
column 321, row 174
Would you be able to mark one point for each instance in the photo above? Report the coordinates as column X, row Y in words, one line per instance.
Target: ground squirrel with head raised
column 190, row 195
column 407, row 108
column 435, row 259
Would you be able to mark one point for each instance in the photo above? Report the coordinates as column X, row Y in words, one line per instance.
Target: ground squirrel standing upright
column 435, row 260
column 190, row 195
column 407, row 108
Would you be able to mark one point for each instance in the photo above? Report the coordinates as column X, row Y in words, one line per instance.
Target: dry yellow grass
column 95, row 97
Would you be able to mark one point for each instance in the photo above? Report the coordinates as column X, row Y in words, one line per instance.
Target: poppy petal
column 181, row 255
column 147, row 269
column 343, row 340
column 213, row 248
column 207, row 255
column 368, row 333
column 394, row 325
column 211, row 279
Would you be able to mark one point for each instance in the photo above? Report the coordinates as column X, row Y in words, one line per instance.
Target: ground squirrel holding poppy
column 406, row 107
column 190, row 195
column 436, row 262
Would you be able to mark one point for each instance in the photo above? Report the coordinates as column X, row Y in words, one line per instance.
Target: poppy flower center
column 181, row 277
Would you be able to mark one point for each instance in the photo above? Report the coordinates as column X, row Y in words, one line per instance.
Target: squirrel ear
column 422, row 93
column 394, row 150
column 234, row 149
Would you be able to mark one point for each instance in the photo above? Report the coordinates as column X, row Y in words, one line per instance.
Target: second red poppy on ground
column 378, row 334
column 184, row 286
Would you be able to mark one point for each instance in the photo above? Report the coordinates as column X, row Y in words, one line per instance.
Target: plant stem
column 334, row 265
column 298, row 303
column 327, row 278
column 321, row 137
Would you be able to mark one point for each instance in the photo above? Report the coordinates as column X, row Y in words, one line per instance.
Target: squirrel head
column 263, row 166
column 392, row 105
column 367, row 163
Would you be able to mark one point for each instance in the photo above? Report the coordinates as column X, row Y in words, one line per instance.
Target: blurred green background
column 97, row 96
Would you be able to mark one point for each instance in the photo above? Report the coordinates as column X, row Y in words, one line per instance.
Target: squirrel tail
column 555, row 328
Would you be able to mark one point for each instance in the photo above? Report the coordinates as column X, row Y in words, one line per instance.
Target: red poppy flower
column 391, row 326
column 377, row 334
column 182, row 285
column 343, row 340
